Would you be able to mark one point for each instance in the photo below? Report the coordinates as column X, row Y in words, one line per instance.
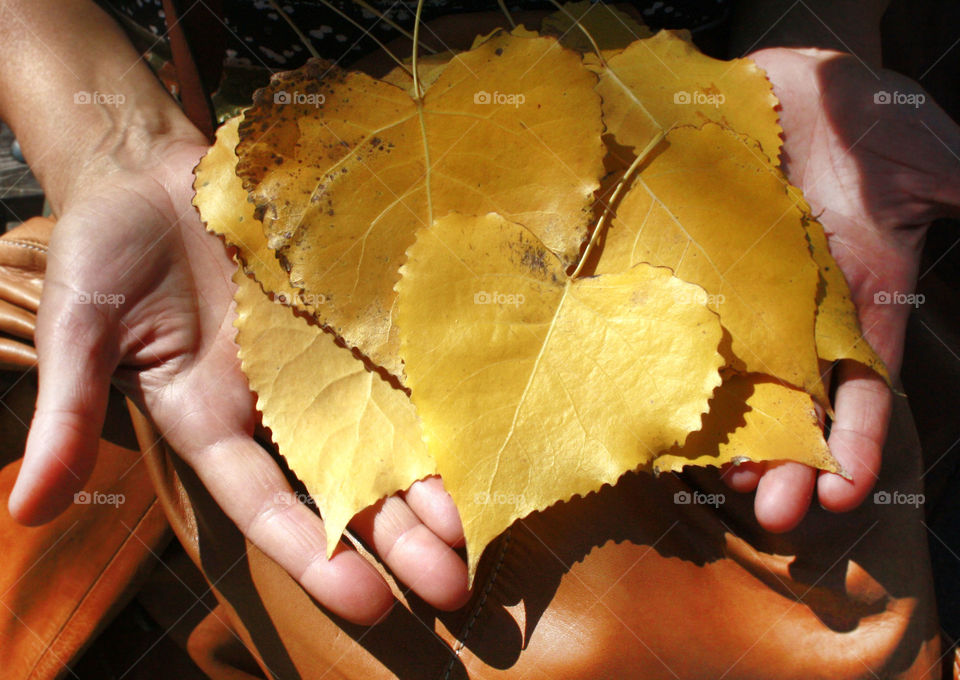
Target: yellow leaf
column 709, row 206
column 838, row 325
column 754, row 418
column 665, row 81
column 429, row 66
column 512, row 126
column 533, row 387
column 609, row 27
column 518, row 31
column 348, row 435
column 224, row 209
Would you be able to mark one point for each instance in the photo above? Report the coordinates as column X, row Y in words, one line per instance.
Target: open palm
column 877, row 161
column 137, row 290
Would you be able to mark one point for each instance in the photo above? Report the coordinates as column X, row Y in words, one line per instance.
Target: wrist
column 136, row 140
column 81, row 109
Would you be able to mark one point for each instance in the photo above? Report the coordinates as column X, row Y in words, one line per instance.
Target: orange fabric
column 216, row 649
column 60, row 583
column 623, row 583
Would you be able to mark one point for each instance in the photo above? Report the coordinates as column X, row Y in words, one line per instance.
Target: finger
column 434, row 507
column 75, row 364
column 416, row 555
column 743, row 477
column 783, row 500
column 783, row 495
column 862, row 404
column 252, row 491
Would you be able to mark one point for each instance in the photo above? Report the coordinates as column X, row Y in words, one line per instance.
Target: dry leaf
column 511, row 126
column 610, row 28
column 754, row 418
column 429, row 68
column 533, row 387
column 348, row 435
column 225, row 211
column 708, row 206
column 665, row 81
column 838, row 325
column 518, row 31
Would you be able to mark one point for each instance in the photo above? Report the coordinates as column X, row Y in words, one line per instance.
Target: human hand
column 136, row 289
column 876, row 174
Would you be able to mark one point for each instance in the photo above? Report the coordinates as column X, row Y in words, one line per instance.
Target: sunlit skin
column 876, row 175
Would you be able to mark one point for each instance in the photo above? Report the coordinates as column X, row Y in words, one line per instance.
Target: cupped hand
column 877, row 161
column 136, row 289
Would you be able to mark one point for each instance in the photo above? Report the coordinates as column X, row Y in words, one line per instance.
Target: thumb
column 76, row 361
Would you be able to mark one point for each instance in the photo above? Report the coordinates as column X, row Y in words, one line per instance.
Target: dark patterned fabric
column 259, row 36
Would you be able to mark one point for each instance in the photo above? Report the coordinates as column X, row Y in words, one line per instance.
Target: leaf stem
column 391, row 23
column 603, row 62
column 304, row 39
column 366, row 31
column 596, row 48
column 601, row 223
column 506, row 13
column 416, row 45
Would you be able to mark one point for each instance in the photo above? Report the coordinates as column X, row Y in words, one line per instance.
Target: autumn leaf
column 609, row 27
column 342, row 184
column 665, row 81
column 838, row 332
column 753, row 417
column 224, row 209
column 708, row 206
column 348, row 435
column 532, row 386
column 429, row 68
